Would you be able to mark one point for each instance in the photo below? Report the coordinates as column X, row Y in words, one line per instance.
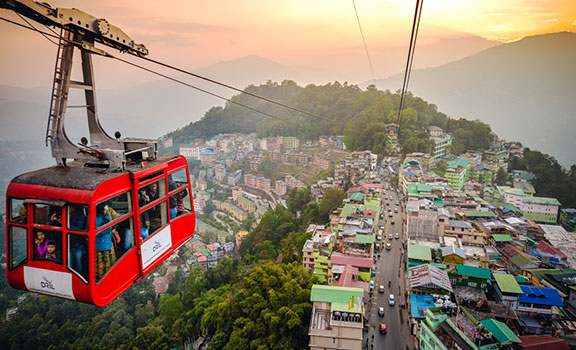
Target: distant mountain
column 525, row 90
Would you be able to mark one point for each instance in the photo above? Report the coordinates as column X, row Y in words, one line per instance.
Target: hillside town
column 430, row 249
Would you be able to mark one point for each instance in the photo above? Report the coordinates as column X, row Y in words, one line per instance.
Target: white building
column 191, row 151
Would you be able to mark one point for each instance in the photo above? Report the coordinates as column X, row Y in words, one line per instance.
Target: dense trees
column 551, row 179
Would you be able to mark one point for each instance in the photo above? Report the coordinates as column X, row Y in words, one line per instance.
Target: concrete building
column 191, row 151
column 208, row 157
column 281, row 188
column 540, row 209
column 290, row 142
column 337, row 318
column 464, row 231
column 568, row 219
column 441, row 142
column 457, row 173
column 220, row 172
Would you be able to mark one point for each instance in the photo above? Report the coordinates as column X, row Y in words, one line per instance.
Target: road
column 388, row 269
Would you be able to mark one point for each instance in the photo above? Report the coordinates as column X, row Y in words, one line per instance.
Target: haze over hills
column 524, row 90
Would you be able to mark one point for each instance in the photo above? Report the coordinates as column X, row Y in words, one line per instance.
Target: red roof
column 536, row 342
column 550, row 249
column 351, row 260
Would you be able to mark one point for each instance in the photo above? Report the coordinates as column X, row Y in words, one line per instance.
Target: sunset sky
column 312, row 33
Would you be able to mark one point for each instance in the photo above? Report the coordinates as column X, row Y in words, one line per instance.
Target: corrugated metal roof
column 427, row 274
column 369, row 239
column 419, row 252
column 500, row 331
column 473, row 271
column 341, row 298
column 507, row 283
column 459, row 224
column 540, row 295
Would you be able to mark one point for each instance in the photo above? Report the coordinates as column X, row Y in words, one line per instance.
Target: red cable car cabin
column 88, row 234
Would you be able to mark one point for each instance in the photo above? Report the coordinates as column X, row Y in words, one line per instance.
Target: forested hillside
column 359, row 115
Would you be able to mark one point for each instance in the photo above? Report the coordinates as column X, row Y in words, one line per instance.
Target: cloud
column 552, row 20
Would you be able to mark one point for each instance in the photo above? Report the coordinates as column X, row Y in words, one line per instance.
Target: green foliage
column 502, row 177
column 274, row 226
column 551, row 180
column 468, row 135
column 298, row 198
column 332, row 199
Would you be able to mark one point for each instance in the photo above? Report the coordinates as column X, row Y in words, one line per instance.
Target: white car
column 391, row 300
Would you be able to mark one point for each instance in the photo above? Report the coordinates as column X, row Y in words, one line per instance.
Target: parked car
column 383, row 329
column 391, row 300
column 371, row 285
column 381, row 289
column 381, row 311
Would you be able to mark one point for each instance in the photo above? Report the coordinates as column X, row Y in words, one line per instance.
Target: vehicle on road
column 390, row 236
column 381, row 311
column 391, row 300
column 381, row 289
column 383, row 329
column 396, row 210
column 390, row 214
column 396, row 235
column 378, row 237
column 388, row 246
column 371, row 285
column 392, row 222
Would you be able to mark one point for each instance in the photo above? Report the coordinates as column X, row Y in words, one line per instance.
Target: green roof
column 206, row 252
column 500, row 331
column 521, row 260
column 541, row 200
column 479, row 214
column 507, row 283
column 357, row 196
column 369, row 239
column 424, row 188
column 458, row 162
column 246, row 201
column 502, row 238
column 510, row 190
column 341, row 298
column 419, row 252
column 521, row 279
column 473, row 271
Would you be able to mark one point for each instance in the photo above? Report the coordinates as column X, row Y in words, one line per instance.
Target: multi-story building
column 290, row 142
column 292, row 182
column 465, row 232
column 540, row 209
column 482, row 173
column 208, row 157
column 191, row 151
column 246, row 204
column 568, row 219
column 220, row 172
column 230, row 209
column 258, row 182
column 457, row 173
column 322, row 161
column 441, row 142
column 281, row 188
column 337, row 318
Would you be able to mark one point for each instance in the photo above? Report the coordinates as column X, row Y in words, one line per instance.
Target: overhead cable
column 411, row 49
column 46, row 35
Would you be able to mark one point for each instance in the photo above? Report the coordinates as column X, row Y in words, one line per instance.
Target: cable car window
column 111, row 244
column 153, row 219
column 105, row 255
column 151, row 176
column 50, row 215
column 18, row 243
column 77, row 217
column 114, row 208
column 180, row 204
column 151, row 192
column 48, row 245
column 179, row 178
column 78, row 254
column 18, row 211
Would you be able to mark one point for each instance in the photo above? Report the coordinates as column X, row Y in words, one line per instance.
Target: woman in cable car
column 86, row 234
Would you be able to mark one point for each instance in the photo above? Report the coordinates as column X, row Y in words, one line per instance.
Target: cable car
column 83, row 234
column 89, row 229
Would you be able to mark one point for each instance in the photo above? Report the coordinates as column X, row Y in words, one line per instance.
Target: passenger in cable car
column 52, row 253
column 105, row 256
column 56, row 217
column 77, row 218
column 40, row 244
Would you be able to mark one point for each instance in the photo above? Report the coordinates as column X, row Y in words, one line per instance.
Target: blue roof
column 208, row 153
column 419, row 303
column 540, row 295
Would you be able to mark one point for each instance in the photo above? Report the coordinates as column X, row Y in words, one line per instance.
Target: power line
column 368, row 56
column 237, row 89
column 411, row 49
column 46, row 35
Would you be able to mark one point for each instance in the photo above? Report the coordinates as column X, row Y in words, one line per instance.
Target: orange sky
column 315, row 33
